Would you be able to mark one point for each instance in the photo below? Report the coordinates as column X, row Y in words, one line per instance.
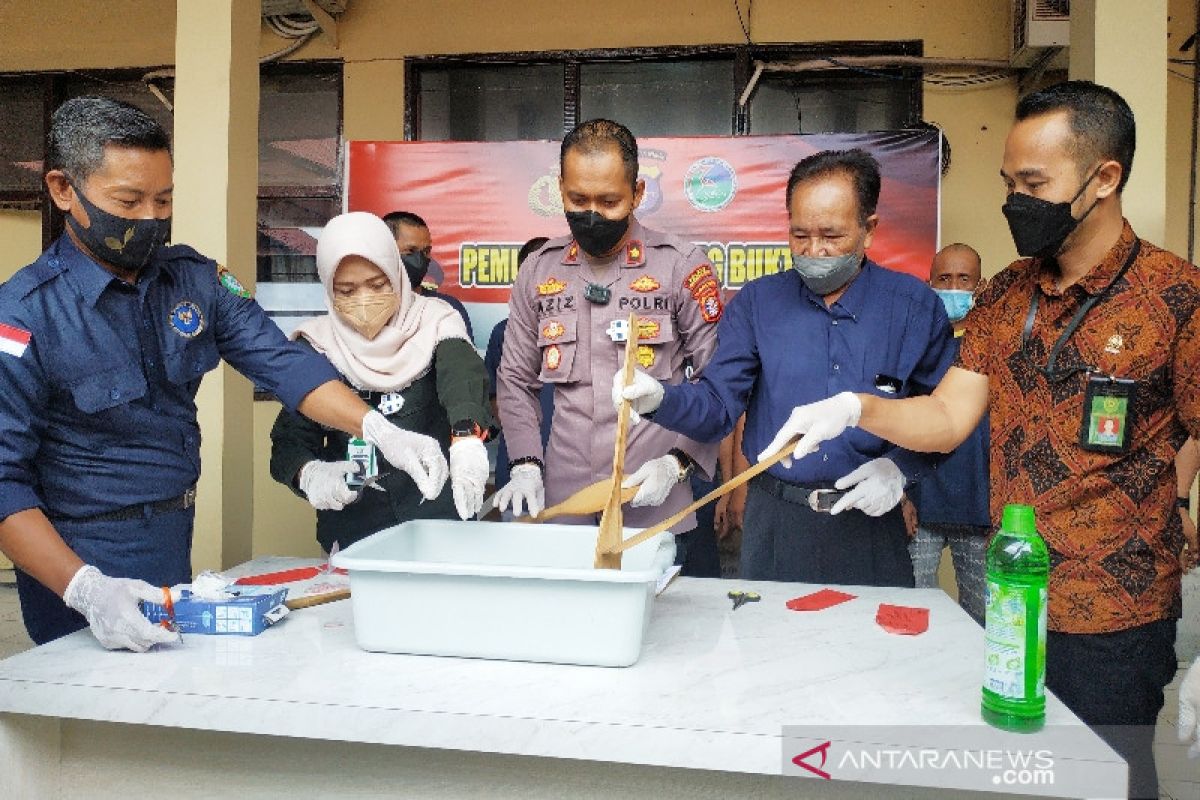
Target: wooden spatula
column 728, row 486
column 589, row 500
column 611, row 530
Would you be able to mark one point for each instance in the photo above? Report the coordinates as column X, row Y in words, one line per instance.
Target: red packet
column 904, row 620
column 819, row 601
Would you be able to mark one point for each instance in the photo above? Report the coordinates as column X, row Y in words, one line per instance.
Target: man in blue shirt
column 835, row 322
column 103, row 342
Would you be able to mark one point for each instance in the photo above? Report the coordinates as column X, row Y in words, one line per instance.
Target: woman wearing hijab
column 407, row 356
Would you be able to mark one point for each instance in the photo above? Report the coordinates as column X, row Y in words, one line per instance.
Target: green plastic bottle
column 1018, row 570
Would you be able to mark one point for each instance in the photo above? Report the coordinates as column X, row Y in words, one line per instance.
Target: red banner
column 483, row 200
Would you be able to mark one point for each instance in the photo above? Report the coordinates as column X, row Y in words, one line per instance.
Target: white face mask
column 824, row 275
column 368, row 313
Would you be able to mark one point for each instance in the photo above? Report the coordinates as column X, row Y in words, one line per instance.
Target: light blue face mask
column 825, row 275
column 957, row 302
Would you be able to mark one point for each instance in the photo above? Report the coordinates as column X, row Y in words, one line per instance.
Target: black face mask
column 596, row 233
column 416, row 264
column 1039, row 227
column 127, row 244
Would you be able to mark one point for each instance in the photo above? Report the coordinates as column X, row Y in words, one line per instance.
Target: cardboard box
column 252, row 611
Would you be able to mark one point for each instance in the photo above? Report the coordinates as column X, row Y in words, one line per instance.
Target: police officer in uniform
column 103, row 342
column 568, row 320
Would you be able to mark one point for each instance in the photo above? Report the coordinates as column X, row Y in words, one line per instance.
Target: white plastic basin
column 501, row 590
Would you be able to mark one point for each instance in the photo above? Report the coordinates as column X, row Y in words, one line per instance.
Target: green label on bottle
column 1014, row 643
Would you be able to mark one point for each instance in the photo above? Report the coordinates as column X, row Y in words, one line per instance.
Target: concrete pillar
column 216, row 188
column 1123, row 45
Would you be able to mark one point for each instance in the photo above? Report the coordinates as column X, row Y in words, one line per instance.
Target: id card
column 362, row 453
column 1107, row 414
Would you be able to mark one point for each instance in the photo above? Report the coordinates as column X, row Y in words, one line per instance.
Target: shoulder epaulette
column 28, row 279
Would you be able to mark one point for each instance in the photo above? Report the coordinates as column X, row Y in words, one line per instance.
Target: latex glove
column 818, row 422
column 655, row 479
column 644, row 394
column 877, row 486
column 1189, row 709
column 324, row 484
column 415, row 453
column 111, row 608
column 524, row 490
column 469, row 470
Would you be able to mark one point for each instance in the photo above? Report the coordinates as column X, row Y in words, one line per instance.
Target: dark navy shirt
column 956, row 492
column 97, row 410
column 779, row 347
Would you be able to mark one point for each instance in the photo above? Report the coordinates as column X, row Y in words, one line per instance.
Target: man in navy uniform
column 103, row 342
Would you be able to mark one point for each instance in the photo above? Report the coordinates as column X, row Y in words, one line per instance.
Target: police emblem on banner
column 230, row 282
column 710, row 184
column 551, row 286
column 186, row 319
column 553, row 357
column 645, row 284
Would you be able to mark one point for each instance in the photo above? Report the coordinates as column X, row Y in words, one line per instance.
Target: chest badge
column 553, row 329
column 1114, row 344
column 645, row 356
column 390, row 403
column 186, row 319
column 647, row 328
column 552, row 286
column 553, row 357
column 645, row 284
column 618, row 330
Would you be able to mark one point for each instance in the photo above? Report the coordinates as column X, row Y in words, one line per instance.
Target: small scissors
column 740, row 598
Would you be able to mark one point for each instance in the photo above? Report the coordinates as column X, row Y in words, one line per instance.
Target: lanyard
column 1084, row 308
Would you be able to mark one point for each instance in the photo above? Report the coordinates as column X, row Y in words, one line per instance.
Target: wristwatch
column 468, row 427
column 686, row 465
column 1184, row 502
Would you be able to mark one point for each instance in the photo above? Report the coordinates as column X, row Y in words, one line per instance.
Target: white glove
column 655, row 480
column 878, row 486
column 111, row 608
column 415, row 453
column 524, row 490
column 469, row 470
column 644, row 394
column 324, row 484
column 818, row 422
column 1189, row 709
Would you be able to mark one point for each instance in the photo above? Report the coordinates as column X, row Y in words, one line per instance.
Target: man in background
column 416, row 251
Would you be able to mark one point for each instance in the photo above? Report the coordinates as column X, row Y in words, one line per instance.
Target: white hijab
column 403, row 350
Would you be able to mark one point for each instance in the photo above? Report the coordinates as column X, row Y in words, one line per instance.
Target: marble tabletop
column 715, row 688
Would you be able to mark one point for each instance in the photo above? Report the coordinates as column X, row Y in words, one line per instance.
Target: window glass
column 666, row 98
column 133, row 92
column 491, row 102
column 299, row 125
column 21, row 135
column 829, row 103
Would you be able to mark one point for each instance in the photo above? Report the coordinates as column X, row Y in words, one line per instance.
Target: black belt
column 185, row 500
column 819, row 498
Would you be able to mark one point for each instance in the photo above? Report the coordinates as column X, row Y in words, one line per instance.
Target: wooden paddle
column 728, row 486
column 589, row 500
column 608, row 540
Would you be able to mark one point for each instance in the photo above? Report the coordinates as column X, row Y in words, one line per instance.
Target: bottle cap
column 1018, row 519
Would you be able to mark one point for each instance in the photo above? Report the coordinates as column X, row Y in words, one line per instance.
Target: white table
column 716, row 707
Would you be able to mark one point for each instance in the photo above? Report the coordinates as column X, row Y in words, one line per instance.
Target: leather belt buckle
column 189, row 498
column 822, row 501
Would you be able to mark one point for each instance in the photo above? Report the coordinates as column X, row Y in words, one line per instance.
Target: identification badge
column 390, row 403
column 595, row 293
column 362, row 453
column 1107, row 414
column 618, row 330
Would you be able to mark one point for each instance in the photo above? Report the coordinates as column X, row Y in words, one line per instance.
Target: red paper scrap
column 284, row 576
column 819, row 601
column 904, row 620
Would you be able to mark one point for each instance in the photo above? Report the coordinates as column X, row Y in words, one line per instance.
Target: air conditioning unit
column 1036, row 26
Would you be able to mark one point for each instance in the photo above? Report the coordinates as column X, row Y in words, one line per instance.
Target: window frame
column 743, row 57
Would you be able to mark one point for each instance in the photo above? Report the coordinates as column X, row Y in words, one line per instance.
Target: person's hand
column 418, row 455
column 468, row 474
column 875, row 488
column 324, row 484
column 731, row 509
column 1191, row 552
column 1189, row 709
column 817, row 422
column 644, row 394
column 524, row 490
column 111, row 608
column 655, row 479
column 910, row 516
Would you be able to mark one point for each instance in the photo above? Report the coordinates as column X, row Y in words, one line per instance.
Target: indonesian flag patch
column 13, row 341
